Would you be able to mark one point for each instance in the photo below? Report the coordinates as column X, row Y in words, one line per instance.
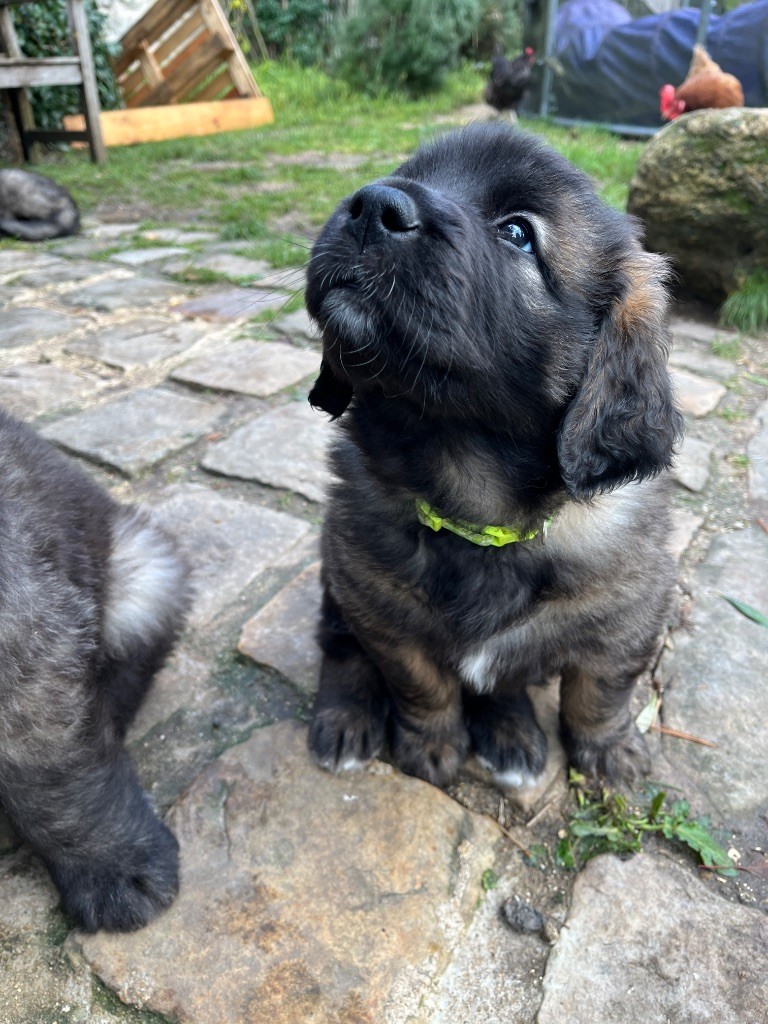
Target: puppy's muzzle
column 380, row 213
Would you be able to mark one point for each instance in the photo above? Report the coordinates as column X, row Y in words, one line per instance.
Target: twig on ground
column 510, row 837
column 540, row 813
column 680, row 735
column 762, row 524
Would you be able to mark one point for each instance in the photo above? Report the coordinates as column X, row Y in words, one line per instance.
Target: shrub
column 297, row 29
column 43, row 31
column 406, row 45
column 499, row 27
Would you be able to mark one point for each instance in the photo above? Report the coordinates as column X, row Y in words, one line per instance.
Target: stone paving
column 359, row 899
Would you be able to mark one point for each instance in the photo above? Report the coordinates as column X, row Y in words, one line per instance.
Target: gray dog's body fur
column 34, row 208
column 93, row 595
column 501, row 384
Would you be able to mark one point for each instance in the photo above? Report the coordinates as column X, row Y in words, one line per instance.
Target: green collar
column 485, row 536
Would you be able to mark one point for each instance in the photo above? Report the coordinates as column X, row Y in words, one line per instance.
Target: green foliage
column 607, row 822
column 43, row 31
column 405, row 45
column 747, row 309
column 747, row 610
column 300, row 30
column 489, row 880
column 499, row 27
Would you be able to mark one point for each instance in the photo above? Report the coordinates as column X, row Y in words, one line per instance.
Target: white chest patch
column 477, row 668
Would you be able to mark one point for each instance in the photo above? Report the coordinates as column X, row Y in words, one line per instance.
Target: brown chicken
column 706, row 85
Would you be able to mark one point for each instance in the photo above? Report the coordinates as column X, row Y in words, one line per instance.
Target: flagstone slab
column 107, row 296
column 696, row 395
column 306, row 897
column 140, row 257
column 137, row 430
column 703, row 363
column 24, row 325
column 647, row 943
column 177, row 236
column 685, row 525
column 258, row 368
column 757, row 452
column 236, row 304
column 231, row 265
column 692, row 462
column 285, row 448
column 292, row 279
column 16, row 261
column 138, row 342
column 62, row 271
column 298, row 323
column 228, row 542
column 695, row 330
column 715, row 677
column 32, row 389
column 282, row 633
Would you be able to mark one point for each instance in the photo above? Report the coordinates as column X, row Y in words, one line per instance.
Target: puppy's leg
column 350, row 710
column 428, row 736
column 506, row 738
column 70, row 791
column 598, row 733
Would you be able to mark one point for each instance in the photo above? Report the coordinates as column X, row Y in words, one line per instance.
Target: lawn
column 214, row 181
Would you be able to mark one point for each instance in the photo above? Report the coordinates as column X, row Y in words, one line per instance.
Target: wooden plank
column 193, row 66
column 215, row 87
column 238, row 66
column 153, row 124
column 158, row 19
column 148, row 96
column 20, row 102
column 149, row 66
column 186, row 30
column 24, row 73
column 79, row 24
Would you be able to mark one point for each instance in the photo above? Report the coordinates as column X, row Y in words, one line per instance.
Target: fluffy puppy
column 93, row 594
column 33, row 208
column 497, row 337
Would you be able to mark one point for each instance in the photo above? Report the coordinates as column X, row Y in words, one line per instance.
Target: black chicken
column 508, row 82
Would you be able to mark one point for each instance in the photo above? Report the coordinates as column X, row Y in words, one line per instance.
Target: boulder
column 701, row 191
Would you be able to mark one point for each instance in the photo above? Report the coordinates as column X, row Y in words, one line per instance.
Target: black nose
column 379, row 212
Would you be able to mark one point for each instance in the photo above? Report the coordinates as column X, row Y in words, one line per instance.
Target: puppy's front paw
column 344, row 738
column 433, row 756
column 512, row 747
column 125, row 888
column 625, row 758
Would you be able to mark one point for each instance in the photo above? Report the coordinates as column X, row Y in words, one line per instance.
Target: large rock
column 306, row 898
column 646, row 943
column 700, row 189
column 715, row 678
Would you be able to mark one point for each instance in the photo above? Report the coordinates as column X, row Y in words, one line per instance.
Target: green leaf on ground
column 748, row 610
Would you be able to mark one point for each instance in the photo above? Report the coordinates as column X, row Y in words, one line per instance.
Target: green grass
column 160, row 182
column 747, row 309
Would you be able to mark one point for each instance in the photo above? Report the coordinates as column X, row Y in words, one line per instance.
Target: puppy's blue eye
column 518, row 233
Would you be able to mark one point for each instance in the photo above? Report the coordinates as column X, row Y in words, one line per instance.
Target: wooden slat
column 184, row 31
column 215, row 87
column 182, row 73
column 79, row 25
column 238, row 66
column 149, row 66
column 22, row 73
column 152, row 124
column 158, row 19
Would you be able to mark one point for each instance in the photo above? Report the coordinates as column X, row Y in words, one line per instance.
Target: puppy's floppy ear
column 622, row 423
column 329, row 393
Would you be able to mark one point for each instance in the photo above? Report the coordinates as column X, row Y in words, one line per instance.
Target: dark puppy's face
column 486, row 282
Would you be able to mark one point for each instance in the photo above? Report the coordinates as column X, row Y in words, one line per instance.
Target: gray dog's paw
column 624, row 759
column 124, row 890
column 346, row 737
column 434, row 756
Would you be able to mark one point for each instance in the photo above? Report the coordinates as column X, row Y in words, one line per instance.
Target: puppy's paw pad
column 125, row 891
column 345, row 739
column 626, row 759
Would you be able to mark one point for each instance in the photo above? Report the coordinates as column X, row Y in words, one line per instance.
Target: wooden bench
column 18, row 73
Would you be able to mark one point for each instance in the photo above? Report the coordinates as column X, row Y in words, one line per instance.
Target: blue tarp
column 614, row 66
